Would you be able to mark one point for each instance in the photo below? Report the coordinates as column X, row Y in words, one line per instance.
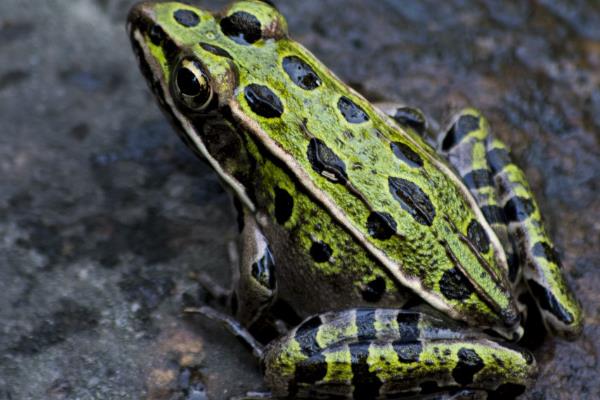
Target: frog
column 404, row 262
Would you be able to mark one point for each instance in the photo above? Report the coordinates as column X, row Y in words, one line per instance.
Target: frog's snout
column 141, row 16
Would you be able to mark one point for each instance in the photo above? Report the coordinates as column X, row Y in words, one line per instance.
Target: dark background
column 105, row 216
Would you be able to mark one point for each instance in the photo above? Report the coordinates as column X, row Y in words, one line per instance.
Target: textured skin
column 424, row 250
column 501, row 189
column 370, row 201
column 391, row 353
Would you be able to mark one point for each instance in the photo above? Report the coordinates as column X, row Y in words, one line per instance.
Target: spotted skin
column 346, row 207
column 383, row 353
column 501, row 189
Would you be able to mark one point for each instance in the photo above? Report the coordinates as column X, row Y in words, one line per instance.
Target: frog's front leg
column 389, row 353
column 254, row 284
column 507, row 202
column 253, row 287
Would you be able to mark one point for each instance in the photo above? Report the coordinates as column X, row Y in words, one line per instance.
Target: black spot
column 301, row 73
column 478, row 178
column 478, row 237
column 264, row 270
column 498, row 159
column 429, row 387
column 156, row 34
column 494, row 214
column 407, row 351
column 284, row 205
column 455, row 285
column 548, row 302
column 408, row 325
column 351, row 111
column 413, row 200
column 242, row 27
column 311, row 370
column 374, row 290
column 381, row 225
column 263, row 101
column 518, row 208
column 320, row 252
column 513, row 261
column 186, row 18
column 507, row 391
column 469, row 363
column 365, row 322
column 306, row 336
column 366, row 383
column 544, row 250
column 170, row 49
column 325, row 162
column 461, row 128
column 218, row 51
column 411, row 117
column 406, row 154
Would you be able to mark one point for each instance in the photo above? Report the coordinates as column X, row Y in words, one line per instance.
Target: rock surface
column 105, row 217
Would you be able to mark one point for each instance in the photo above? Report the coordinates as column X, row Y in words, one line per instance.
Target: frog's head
column 189, row 56
column 194, row 60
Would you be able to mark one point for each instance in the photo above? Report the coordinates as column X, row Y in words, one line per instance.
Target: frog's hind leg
column 389, row 353
column 465, row 146
column 505, row 198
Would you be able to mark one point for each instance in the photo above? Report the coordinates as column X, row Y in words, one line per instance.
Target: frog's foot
column 507, row 202
column 387, row 353
column 232, row 325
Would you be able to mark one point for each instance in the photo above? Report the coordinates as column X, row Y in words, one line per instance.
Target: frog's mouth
column 149, row 40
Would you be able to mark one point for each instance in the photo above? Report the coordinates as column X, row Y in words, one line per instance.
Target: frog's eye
column 191, row 86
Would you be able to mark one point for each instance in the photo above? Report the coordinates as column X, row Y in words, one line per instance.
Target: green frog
column 408, row 258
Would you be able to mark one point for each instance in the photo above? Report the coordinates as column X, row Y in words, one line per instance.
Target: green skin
column 370, row 215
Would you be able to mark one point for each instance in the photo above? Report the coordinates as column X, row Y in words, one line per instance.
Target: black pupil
column 188, row 83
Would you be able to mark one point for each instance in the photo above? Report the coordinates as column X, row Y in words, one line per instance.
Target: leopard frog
column 408, row 260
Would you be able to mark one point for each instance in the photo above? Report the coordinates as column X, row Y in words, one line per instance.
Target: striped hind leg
column 391, row 354
column 501, row 189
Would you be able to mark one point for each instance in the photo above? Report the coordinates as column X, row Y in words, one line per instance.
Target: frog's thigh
column 254, row 285
column 387, row 353
column 464, row 143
